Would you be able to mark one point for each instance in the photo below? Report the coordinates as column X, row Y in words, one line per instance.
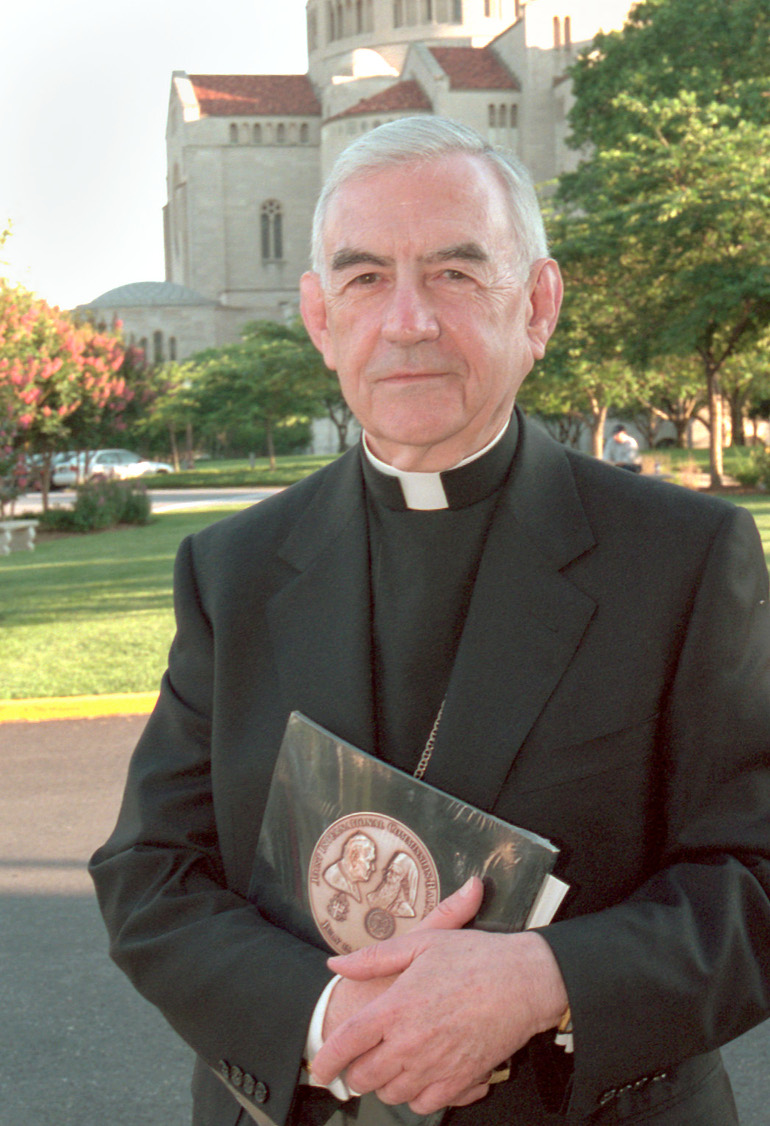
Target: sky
column 84, row 89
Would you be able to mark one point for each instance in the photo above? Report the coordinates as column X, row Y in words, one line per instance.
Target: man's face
column 422, row 313
column 361, row 858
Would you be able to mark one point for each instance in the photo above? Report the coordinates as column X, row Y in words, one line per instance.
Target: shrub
column 754, row 471
column 101, row 504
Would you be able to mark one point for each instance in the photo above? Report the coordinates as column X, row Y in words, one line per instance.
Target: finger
column 457, row 909
column 352, row 1039
column 439, row 1095
column 395, row 955
column 472, row 1095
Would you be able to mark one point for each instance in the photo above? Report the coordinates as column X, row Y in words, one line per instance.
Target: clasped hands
column 425, row 1018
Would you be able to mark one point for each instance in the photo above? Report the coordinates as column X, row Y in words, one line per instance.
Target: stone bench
column 17, row 535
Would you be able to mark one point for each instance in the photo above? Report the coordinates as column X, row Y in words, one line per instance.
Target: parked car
column 103, row 465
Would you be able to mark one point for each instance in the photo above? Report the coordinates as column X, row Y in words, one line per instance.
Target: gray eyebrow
column 463, row 251
column 349, row 256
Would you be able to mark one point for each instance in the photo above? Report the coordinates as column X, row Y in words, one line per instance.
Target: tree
column 673, row 113
column 684, row 204
column 746, row 385
column 267, row 379
column 59, row 380
column 172, row 409
column 673, row 392
column 585, row 372
column 327, row 384
column 717, row 52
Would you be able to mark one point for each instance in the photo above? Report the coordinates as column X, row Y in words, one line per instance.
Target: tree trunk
column 715, row 434
column 680, row 425
column 598, row 420
column 190, row 456
column 270, row 443
column 174, row 447
column 45, row 480
column 736, row 421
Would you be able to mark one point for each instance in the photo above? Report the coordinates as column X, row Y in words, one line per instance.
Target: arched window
column 304, row 133
column 257, row 134
column 330, row 21
column 457, row 11
column 398, row 13
column 157, row 347
column 427, row 8
column 233, row 134
column 271, row 220
column 514, row 118
column 172, row 348
column 359, row 17
column 340, row 21
column 492, row 116
column 280, row 134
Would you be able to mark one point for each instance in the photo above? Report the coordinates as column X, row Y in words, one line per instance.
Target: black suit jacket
column 611, row 692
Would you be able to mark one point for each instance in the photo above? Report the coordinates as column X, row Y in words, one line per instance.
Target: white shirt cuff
column 338, row 1087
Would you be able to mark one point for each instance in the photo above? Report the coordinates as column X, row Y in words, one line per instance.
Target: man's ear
column 312, row 304
column 546, row 290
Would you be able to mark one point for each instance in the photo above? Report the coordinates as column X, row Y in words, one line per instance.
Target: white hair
column 421, row 139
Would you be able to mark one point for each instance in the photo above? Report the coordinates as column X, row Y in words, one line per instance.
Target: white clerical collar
column 425, row 491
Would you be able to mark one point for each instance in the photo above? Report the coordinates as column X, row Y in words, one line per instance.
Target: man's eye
column 365, row 279
column 455, row 275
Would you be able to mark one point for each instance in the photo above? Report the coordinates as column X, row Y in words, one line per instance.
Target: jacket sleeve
column 683, row 965
column 240, row 991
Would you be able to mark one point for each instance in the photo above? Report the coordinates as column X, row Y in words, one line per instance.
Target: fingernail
column 467, row 886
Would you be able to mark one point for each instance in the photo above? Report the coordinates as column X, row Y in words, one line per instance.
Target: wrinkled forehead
column 457, row 197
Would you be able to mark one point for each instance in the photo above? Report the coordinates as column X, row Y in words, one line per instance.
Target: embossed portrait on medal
column 370, row 878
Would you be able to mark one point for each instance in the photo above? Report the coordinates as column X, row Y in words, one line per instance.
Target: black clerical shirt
column 423, row 566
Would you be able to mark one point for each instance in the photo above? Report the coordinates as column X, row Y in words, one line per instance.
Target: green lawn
column 92, row 614
column 238, row 473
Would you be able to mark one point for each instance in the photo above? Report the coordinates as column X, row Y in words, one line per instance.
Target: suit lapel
column 525, row 622
column 320, row 619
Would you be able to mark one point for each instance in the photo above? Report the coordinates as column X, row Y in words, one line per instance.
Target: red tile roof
column 229, row 95
column 474, row 68
column 401, row 96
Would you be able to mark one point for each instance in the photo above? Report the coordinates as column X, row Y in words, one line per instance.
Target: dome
column 148, row 294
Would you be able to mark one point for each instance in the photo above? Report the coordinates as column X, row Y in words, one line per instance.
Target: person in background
column 622, row 449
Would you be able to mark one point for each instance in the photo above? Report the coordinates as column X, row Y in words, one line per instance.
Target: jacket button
column 236, row 1075
column 260, row 1092
column 223, row 1068
column 249, row 1084
column 608, row 1096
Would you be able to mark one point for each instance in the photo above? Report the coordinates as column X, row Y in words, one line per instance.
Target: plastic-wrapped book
column 353, row 851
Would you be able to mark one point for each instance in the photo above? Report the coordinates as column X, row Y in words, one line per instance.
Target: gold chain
column 422, row 765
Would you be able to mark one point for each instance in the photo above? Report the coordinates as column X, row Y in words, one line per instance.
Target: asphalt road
column 78, row 1046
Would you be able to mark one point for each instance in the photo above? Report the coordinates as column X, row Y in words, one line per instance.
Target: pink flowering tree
column 60, row 380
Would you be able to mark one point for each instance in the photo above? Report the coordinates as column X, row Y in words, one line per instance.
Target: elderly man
column 456, row 582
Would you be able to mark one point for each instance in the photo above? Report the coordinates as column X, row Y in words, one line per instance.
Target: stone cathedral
column 246, row 154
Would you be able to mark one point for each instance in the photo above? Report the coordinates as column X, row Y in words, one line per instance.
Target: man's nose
column 410, row 316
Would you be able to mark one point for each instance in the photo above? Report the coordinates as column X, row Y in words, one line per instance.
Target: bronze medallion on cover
column 370, row 878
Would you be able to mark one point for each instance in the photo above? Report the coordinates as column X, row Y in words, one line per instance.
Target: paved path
column 78, row 1046
column 163, row 500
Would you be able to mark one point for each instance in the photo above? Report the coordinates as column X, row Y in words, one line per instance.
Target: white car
column 102, row 465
